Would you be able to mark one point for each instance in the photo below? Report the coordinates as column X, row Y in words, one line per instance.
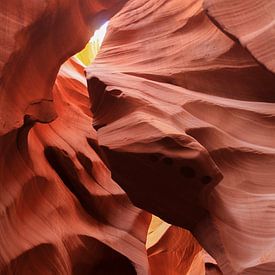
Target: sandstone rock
column 180, row 123
column 36, row 38
column 173, row 250
column 61, row 210
column 251, row 22
column 190, row 115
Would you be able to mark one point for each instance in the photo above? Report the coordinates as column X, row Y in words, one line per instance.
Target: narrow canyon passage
column 137, row 137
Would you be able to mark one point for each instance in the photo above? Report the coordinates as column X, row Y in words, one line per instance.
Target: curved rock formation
column 183, row 115
column 36, row 38
column 61, row 213
column 252, row 23
column 173, row 250
column 184, row 108
column 56, row 196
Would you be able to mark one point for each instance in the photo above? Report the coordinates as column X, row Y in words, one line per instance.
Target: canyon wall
column 175, row 119
column 183, row 102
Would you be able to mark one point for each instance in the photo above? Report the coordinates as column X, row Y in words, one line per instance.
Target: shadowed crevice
column 65, row 168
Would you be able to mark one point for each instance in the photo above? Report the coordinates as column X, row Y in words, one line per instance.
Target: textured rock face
column 55, row 192
column 182, row 108
column 252, row 23
column 172, row 250
column 36, row 38
column 187, row 114
column 56, row 196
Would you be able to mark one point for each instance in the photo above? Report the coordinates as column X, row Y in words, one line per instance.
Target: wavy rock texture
column 36, row 38
column 61, row 211
column 172, row 250
column 185, row 120
column 251, row 22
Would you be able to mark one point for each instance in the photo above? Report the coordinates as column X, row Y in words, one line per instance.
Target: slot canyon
column 148, row 152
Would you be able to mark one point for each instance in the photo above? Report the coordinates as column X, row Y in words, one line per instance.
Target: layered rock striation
column 175, row 119
column 185, row 119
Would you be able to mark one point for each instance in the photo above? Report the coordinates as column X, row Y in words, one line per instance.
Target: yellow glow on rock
column 88, row 54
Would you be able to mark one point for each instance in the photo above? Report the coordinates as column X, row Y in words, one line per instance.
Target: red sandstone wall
column 181, row 98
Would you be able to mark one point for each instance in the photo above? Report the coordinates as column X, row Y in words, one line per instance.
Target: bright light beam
column 88, row 54
column 100, row 34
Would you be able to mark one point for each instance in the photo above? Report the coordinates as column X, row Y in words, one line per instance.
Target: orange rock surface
column 175, row 119
column 36, row 38
column 251, row 22
column 61, row 211
column 186, row 121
